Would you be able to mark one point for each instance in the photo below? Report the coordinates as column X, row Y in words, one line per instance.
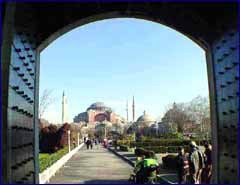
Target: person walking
column 91, row 144
column 88, row 143
column 182, row 166
column 193, row 163
column 202, row 158
column 207, row 171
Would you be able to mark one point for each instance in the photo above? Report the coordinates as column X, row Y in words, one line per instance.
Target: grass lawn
column 46, row 159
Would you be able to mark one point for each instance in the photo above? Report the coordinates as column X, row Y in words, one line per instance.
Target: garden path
column 94, row 166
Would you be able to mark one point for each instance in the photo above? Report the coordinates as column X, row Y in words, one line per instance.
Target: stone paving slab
column 93, row 166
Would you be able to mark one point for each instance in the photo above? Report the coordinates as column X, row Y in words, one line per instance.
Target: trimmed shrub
column 164, row 142
column 123, row 142
column 157, row 149
column 172, row 149
column 140, row 151
column 170, row 162
column 124, row 148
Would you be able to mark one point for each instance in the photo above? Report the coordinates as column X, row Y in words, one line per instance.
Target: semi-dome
column 98, row 106
column 145, row 120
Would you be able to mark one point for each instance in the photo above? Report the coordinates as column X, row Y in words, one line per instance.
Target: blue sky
column 114, row 59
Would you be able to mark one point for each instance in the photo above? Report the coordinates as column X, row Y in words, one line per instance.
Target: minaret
column 133, row 110
column 127, row 111
column 64, row 108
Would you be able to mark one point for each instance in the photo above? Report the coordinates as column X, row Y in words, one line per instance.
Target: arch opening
column 95, row 117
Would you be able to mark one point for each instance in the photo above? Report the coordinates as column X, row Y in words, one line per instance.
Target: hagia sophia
column 98, row 112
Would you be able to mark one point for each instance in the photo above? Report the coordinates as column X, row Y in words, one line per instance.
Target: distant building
column 98, row 112
column 142, row 125
column 145, row 120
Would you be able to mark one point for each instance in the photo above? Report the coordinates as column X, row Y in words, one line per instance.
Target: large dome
column 145, row 120
column 99, row 106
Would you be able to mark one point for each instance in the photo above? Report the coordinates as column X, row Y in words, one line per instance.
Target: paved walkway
column 93, row 167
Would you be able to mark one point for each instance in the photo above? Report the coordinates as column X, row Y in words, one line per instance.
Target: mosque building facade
column 98, row 112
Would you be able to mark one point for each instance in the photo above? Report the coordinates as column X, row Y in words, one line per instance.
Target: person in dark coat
column 91, row 144
column 182, row 166
column 207, row 171
column 88, row 143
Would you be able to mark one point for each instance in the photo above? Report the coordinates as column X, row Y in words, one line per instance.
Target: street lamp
column 105, row 131
column 78, row 139
column 69, row 142
column 156, row 129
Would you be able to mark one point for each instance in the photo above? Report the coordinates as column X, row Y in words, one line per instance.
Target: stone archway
column 30, row 27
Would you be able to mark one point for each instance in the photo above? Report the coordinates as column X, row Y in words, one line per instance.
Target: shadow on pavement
column 129, row 155
column 107, row 181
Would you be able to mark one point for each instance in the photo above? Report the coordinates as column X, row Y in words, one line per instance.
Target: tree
column 48, row 142
column 45, row 100
column 177, row 114
column 199, row 111
column 196, row 111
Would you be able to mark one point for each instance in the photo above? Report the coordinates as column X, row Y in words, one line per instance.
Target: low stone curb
column 45, row 176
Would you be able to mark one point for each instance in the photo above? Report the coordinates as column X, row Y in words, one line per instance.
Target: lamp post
column 69, row 142
column 105, row 131
column 156, row 129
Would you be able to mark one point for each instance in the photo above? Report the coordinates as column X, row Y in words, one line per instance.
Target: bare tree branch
column 45, row 101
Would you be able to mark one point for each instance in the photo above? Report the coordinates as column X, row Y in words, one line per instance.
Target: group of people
column 196, row 166
column 89, row 142
column 146, row 169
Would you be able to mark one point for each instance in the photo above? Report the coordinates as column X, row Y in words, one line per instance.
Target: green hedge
column 124, row 148
column 175, row 135
column 46, row 160
column 143, row 151
column 163, row 149
column 160, row 142
column 164, row 142
column 123, row 142
column 170, row 162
